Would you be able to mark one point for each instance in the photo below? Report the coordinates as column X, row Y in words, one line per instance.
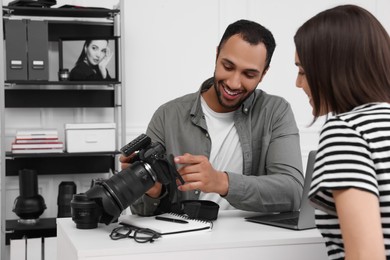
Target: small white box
column 90, row 137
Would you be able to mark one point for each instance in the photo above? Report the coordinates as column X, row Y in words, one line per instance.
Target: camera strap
column 200, row 209
column 194, row 209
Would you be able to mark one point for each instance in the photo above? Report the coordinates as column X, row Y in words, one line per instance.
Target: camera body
column 106, row 199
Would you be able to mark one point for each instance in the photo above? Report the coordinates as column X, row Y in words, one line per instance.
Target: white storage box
column 90, row 137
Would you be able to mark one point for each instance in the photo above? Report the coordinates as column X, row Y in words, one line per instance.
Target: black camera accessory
column 200, row 209
column 139, row 142
column 63, row 74
column 29, row 205
column 66, row 189
column 174, row 172
column 85, row 212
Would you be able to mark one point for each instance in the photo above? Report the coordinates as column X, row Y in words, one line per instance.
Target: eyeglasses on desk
column 140, row 235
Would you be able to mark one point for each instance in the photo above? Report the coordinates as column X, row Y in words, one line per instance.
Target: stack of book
column 37, row 141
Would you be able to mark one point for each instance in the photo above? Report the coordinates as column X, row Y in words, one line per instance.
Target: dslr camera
column 106, row 199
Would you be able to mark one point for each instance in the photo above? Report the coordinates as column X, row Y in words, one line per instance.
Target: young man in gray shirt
column 234, row 144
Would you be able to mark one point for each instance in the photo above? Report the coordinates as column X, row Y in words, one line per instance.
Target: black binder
column 37, row 46
column 16, row 49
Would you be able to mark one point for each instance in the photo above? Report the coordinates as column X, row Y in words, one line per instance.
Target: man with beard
column 234, row 144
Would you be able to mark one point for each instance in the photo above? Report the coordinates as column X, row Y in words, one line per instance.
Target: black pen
column 175, row 220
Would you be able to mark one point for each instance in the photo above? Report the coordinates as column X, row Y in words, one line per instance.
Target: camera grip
column 173, row 170
column 139, row 142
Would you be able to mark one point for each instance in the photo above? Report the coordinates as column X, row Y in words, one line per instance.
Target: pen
column 172, row 220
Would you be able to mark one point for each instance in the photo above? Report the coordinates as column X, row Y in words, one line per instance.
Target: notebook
column 297, row 220
column 167, row 223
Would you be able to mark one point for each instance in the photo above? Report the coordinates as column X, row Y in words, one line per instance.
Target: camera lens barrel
column 131, row 183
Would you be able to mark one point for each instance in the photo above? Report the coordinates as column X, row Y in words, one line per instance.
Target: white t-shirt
column 226, row 152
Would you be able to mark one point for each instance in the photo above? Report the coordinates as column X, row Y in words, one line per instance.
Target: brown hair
column 345, row 53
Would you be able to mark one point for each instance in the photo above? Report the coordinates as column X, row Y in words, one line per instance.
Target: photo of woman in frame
column 95, row 62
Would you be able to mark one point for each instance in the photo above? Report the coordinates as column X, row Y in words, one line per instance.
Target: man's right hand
column 153, row 192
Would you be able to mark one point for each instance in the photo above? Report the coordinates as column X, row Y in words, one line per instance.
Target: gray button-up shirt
column 271, row 178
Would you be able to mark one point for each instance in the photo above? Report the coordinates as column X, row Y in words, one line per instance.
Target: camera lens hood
column 101, row 196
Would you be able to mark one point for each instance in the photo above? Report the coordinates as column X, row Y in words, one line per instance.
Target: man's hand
column 125, row 160
column 153, row 192
column 198, row 173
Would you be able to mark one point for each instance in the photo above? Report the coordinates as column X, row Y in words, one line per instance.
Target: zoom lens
column 121, row 190
column 131, row 183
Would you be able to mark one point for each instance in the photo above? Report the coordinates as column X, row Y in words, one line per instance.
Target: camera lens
column 66, row 189
column 85, row 212
column 117, row 193
column 131, row 183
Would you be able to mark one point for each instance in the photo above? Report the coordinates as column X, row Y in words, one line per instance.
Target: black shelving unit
column 60, row 94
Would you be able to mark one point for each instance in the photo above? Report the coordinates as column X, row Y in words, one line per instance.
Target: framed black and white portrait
column 89, row 59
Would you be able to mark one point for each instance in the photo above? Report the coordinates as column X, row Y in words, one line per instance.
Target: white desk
column 231, row 238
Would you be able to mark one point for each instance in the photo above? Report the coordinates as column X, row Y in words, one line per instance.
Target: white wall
column 170, row 50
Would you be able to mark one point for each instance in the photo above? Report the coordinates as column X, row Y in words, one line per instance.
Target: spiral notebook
column 167, row 223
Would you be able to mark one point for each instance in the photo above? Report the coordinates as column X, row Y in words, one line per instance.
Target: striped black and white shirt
column 354, row 151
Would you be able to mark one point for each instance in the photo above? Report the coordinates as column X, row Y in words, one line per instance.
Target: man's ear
column 264, row 72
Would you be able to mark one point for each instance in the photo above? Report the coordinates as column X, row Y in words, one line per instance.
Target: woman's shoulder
column 361, row 114
column 80, row 72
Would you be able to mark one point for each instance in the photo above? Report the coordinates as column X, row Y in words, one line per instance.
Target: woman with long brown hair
column 343, row 58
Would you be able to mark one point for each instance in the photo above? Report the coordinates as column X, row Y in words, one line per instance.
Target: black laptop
column 297, row 220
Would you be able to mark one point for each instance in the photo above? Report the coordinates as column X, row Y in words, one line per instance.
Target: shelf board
column 49, row 98
column 68, row 22
column 61, row 163
column 72, row 83
column 62, row 12
column 45, row 227
column 64, row 154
